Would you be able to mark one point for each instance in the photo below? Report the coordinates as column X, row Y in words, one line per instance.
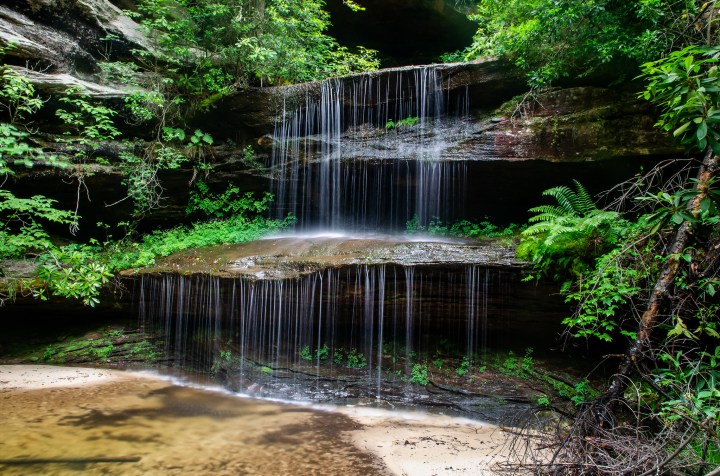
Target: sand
column 61, row 412
column 421, row 444
column 34, row 377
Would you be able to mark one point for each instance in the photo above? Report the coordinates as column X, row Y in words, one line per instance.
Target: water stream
column 361, row 154
column 372, row 322
column 344, row 159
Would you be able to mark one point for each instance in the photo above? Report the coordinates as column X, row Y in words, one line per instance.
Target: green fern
column 565, row 238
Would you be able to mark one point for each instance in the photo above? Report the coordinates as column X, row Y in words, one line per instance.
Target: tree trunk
column 664, row 284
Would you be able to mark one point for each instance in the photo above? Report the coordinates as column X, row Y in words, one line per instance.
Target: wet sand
column 145, row 425
column 425, row 445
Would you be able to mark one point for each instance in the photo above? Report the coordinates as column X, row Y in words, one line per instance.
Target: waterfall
column 373, row 321
column 312, row 314
column 339, row 165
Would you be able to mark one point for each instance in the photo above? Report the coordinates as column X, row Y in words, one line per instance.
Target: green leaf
column 702, row 131
column 682, row 129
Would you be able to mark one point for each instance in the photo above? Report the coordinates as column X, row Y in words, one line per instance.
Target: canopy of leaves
column 686, row 85
column 274, row 41
column 553, row 39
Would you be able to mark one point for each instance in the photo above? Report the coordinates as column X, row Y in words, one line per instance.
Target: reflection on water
column 148, row 426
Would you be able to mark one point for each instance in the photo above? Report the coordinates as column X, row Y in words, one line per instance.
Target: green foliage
column 144, row 106
column 305, row 353
column 603, row 298
column 237, row 229
column 553, row 39
column 275, row 41
column 72, row 272
column 89, row 122
column 17, row 95
column 22, row 220
column 692, row 384
column 686, row 86
column 419, row 374
column 17, row 99
column 565, row 239
column 675, row 208
column 462, row 228
column 354, row 6
column 15, row 150
column 338, row 356
column 249, row 159
column 140, row 176
column 322, row 353
column 513, row 366
column 402, row 123
column 356, row 360
column 464, row 367
column 228, row 203
column 119, row 72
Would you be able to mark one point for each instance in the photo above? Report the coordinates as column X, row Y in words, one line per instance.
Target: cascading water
column 371, row 321
column 297, row 315
column 344, row 159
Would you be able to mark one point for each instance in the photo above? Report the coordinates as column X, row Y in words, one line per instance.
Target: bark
column 663, row 286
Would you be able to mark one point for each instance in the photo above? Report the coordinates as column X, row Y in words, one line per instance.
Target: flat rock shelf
column 296, row 256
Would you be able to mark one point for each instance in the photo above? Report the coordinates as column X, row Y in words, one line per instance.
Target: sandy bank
column 34, row 377
column 58, row 413
column 419, row 444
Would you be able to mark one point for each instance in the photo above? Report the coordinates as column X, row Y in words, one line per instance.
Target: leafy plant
column 402, row 123
column 565, row 239
column 119, row 72
column 462, row 228
column 356, row 360
column 554, row 39
column 273, row 42
column 228, row 203
column 17, row 95
column 338, row 356
column 305, row 353
column 322, row 353
column 72, row 272
column 419, row 374
column 686, row 85
column 692, row 384
column 21, row 223
column 89, row 121
column 464, row 367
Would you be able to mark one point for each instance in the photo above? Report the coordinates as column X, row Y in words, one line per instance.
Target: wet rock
column 487, row 82
column 578, row 125
column 293, row 257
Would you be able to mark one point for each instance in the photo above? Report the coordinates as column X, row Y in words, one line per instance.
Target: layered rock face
column 59, row 44
column 471, row 146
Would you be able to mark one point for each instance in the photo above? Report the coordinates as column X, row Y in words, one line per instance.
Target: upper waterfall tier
column 318, row 138
column 487, row 82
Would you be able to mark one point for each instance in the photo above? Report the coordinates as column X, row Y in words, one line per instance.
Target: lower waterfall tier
column 374, row 308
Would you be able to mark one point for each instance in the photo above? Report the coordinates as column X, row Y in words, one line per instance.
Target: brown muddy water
column 148, row 426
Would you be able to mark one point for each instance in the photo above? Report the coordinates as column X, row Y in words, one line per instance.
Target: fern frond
column 565, row 197
column 585, row 204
